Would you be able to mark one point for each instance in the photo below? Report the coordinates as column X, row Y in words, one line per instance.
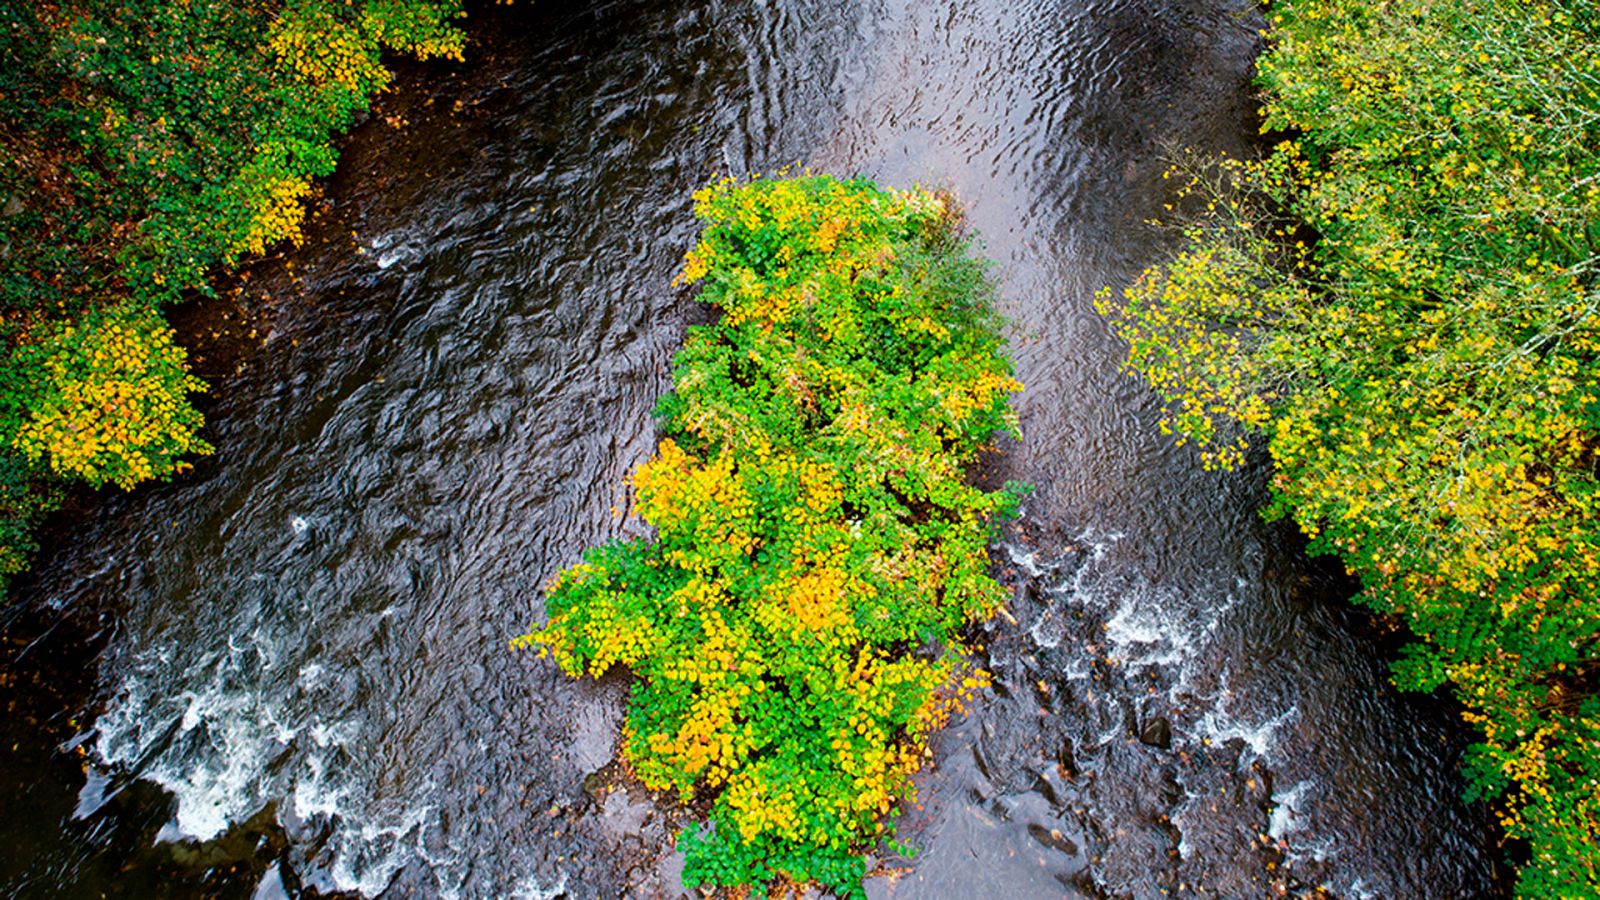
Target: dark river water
column 289, row 670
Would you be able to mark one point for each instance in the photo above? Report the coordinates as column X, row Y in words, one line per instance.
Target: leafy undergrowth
column 1401, row 299
column 793, row 624
column 146, row 145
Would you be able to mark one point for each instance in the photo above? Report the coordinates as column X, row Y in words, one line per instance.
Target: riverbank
column 152, row 146
column 1399, row 301
column 51, row 683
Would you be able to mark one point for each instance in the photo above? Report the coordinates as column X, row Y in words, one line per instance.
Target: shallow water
column 303, row 645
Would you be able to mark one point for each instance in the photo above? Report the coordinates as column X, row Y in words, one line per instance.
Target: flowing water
column 289, row 671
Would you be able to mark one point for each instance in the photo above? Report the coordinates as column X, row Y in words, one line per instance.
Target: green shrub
column 794, row 622
column 1423, row 373
column 25, row 499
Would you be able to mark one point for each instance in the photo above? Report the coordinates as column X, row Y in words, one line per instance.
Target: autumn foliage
column 1400, row 301
column 148, row 145
column 793, row 623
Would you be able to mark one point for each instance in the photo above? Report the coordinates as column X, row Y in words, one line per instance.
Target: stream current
column 294, row 661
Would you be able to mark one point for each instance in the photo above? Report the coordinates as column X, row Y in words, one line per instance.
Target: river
column 288, row 671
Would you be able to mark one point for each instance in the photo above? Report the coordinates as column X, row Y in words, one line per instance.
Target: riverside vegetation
column 1399, row 300
column 148, row 145
column 794, row 625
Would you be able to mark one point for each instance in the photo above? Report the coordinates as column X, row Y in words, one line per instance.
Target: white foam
column 1049, row 628
column 266, row 651
column 1288, row 811
column 396, row 247
column 1290, row 818
column 215, row 747
column 209, row 800
column 1144, row 632
column 529, row 888
column 332, row 734
column 313, row 796
column 193, row 715
column 1080, row 584
column 1099, row 543
column 370, row 856
column 1360, row 891
column 1221, row 727
column 1026, row 560
column 226, row 729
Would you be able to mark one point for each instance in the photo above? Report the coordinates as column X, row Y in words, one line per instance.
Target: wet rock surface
column 1157, row 732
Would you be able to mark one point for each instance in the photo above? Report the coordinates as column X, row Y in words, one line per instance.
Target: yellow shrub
column 111, row 403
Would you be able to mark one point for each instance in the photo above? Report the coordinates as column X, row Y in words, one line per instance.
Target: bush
column 794, row 622
column 1400, row 298
column 105, row 400
column 25, row 499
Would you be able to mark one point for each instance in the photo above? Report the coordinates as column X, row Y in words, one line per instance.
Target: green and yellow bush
column 794, row 623
column 148, row 145
column 1400, row 300
column 105, row 400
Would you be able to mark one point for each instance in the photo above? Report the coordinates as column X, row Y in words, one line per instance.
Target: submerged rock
column 1157, row 732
